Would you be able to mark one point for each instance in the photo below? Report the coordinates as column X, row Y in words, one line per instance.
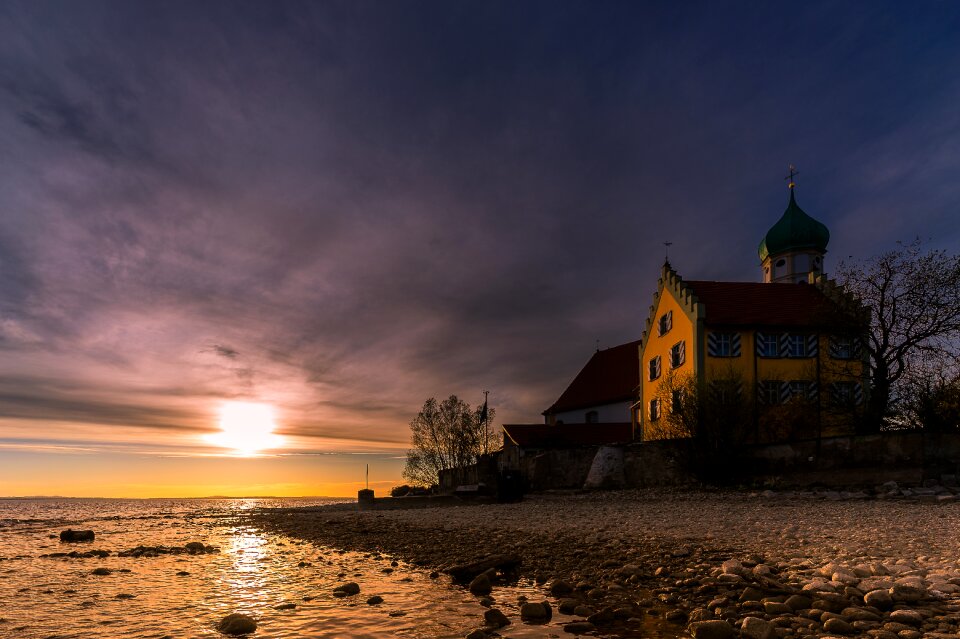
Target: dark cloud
column 375, row 203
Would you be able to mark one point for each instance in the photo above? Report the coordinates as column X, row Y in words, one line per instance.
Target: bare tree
column 913, row 296
column 446, row 435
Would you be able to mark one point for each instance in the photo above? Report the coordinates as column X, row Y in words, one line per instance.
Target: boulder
column 908, row 617
column 237, row 624
column 711, row 629
column 76, row 535
column 495, row 618
column 533, row 612
column 349, row 588
column 838, row 626
column 466, row 572
column 560, row 587
column 879, row 599
column 101, row 571
column 579, row 627
column 374, row 600
column 481, row 585
column 756, row 628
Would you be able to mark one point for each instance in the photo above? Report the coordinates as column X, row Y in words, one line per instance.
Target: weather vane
column 666, row 251
column 789, row 178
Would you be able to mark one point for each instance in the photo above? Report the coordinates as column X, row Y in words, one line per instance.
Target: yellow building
column 755, row 362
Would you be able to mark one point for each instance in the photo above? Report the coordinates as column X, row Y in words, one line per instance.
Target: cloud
column 344, row 209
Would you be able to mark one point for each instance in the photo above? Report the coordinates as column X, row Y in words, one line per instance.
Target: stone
column 348, row 589
column 495, row 618
column 560, row 587
column 374, row 600
column 582, row 610
column 481, row 585
column 712, row 629
column 71, row 536
column 799, row 602
column 908, row 617
column 701, row 614
column 578, row 627
column 751, row 594
column 602, row 617
column 776, row 608
column 676, row 616
column 907, row 593
column 838, row 626
column 195, row 547
column 533, row 612
column 237, row 624
column 756, row 628
column 285, row 606
column 567, row 606
column 101, row 571
column 477, row 634
column 466, row 572
column 879, row 599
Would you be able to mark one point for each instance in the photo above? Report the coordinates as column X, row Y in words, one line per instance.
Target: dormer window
column 666, row 323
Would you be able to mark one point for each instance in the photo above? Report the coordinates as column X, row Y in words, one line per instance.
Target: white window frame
column 665, row 323
column 654, row 410
column 654, row 368
column 678, row 354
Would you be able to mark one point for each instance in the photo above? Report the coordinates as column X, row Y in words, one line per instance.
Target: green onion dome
column 794, row 231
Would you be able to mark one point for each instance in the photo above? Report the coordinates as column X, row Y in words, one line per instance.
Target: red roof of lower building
column 611, row 375
column 567, row 435
column 764, row 304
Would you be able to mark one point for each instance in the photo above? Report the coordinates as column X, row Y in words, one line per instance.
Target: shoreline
column 692, row 560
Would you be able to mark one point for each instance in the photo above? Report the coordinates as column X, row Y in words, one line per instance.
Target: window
column 725, row 393
column 723, row 344
column 678, row 354
column 768, row 392
column 592, row 417
column 846, row 394
column 844, row 347
column 666, row 323
column 781, row 263
column 768, row 345
column 796, row 346
column 676, row 400
column 654, row 410
column 798, row 390
column 654, row 367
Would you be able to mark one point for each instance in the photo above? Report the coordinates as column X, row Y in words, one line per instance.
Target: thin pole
column 368, row 476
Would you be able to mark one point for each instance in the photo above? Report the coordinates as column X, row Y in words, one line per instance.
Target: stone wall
column 836, row 461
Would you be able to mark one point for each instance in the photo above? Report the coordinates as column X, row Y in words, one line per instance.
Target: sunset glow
column 246, row 428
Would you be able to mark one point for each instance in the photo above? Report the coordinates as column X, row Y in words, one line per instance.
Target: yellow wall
column 823, row 369
column 655, row 344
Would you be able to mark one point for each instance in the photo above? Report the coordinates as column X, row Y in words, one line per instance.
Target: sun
column 246, row 427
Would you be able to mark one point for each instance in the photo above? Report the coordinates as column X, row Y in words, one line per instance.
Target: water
column 254, row 572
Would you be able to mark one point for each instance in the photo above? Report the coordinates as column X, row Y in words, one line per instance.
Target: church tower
column 792, row 250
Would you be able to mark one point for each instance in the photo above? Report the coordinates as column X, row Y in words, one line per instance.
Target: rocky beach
column 883, row 563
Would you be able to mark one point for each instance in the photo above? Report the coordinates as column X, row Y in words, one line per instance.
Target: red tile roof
column 565, row 435
column 611, row 375
column 764, row 304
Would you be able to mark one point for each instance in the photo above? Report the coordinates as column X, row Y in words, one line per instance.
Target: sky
column 341, row 209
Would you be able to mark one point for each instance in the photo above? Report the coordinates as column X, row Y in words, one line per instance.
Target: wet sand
column 791, row 564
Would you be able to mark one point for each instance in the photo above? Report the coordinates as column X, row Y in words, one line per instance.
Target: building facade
column 765, row 361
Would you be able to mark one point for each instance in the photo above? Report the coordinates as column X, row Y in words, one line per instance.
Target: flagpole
column 486, row 421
